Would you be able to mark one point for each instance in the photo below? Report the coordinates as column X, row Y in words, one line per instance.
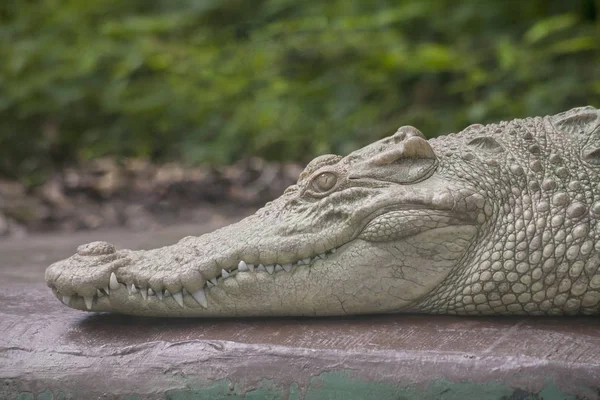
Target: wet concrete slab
column 49, row 351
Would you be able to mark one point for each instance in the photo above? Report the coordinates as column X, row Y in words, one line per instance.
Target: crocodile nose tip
column 96, row 249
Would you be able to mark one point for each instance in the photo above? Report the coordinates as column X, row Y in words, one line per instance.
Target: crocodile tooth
column 178, row 298
column 242, row 266
column 224, row 274
column 214, row 281
column 132, row 289
column 114, row 283
column 144, row 294
column 270, row 269
column 66, row 300
column 106, row 290
column 99, row 293
column 287, row 267
column 251, row 267
column 200, row 297
column 210, row 284
column 88, row 301
column 278, row 267
column 167, row 293
column 306, row 260
column 150, row 292
column 159, row 294
column 333, row 250
column 260, row 268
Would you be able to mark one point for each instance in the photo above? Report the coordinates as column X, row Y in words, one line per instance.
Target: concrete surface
column 48, row 351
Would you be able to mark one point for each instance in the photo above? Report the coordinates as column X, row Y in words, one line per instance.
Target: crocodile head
column 374, row 231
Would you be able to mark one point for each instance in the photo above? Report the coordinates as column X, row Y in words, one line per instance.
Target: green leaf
column 548, row 26
column 575, row 45
column 436, row 57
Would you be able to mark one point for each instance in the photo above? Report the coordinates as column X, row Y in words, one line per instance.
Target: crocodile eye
column 324, row 182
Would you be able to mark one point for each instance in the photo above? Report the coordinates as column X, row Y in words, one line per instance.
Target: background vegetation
column 211, row 81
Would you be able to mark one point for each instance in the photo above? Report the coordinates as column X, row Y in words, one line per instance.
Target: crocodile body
column 495, row 219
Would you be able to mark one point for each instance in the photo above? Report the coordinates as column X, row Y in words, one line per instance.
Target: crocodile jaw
column 356, row 278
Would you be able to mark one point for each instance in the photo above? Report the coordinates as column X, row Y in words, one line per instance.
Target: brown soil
column 138, row 195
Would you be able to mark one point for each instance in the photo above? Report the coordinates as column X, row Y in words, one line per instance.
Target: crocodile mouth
column 115, row 286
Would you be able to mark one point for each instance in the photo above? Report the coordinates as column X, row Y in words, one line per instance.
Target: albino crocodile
column 496, row 219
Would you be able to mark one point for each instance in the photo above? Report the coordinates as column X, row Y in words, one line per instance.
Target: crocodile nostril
column 96, row 249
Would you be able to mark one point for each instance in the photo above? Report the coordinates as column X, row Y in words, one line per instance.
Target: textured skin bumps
column 539, row 252
column 496, row 219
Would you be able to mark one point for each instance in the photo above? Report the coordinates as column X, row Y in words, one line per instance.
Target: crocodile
column 500, row 219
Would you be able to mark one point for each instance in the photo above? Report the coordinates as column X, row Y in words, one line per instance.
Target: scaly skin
column 496, row 219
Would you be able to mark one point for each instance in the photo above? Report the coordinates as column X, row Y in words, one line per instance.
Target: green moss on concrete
column 45, row 395
column 343, row 385
column 294, row 392
column 552, row 392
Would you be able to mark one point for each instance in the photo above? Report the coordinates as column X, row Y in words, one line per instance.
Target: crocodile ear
column 405, row 132
column 408, row 161
column 414, row 147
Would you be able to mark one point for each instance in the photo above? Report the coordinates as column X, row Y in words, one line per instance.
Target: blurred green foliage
column 211, row 81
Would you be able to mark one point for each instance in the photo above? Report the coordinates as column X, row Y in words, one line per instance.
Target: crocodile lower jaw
column 183, row 299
